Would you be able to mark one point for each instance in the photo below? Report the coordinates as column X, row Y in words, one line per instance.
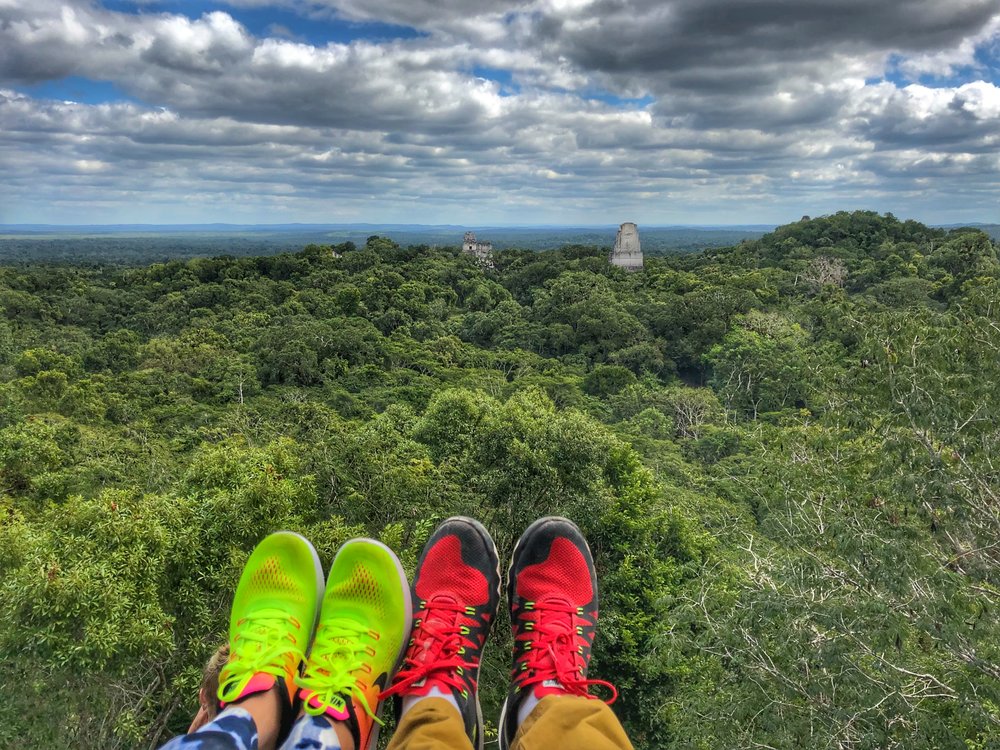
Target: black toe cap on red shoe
column 552, row 558
column 460, row 558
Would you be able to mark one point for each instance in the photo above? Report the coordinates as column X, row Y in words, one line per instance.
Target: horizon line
column 371, row 224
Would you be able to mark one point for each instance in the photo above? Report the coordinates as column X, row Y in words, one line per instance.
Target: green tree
column 759, row 366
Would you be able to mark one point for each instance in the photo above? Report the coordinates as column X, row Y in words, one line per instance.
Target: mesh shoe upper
column 456, row 591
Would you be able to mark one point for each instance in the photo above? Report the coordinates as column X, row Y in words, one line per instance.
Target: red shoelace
column 553, row 635
column 438, row 650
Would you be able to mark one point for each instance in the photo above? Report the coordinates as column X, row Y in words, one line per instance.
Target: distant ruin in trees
column 627, row 252
column 481, row 250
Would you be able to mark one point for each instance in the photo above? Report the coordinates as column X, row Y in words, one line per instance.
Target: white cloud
column 944, row 62
column 207, row 45
column 766, row 104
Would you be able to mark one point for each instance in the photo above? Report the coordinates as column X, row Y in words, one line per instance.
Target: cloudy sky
column 498, row 112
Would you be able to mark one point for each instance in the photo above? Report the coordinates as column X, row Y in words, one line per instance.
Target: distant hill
column 993, row 230
column 138, row 243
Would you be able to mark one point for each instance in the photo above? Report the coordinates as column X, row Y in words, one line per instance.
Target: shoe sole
column 408, row 599
column 485, row 536
column 503, row 742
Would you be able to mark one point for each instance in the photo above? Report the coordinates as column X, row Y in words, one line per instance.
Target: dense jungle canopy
column 784, row 454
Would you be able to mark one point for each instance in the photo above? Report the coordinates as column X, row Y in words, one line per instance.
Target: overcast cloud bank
column 549, row 111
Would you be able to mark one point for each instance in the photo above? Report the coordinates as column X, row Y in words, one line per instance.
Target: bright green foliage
column 760, row 365
column 784, row 455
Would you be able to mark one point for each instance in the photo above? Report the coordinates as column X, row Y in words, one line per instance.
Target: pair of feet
column 374, row 637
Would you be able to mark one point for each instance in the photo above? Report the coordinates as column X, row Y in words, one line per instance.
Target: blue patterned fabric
column 233, row 729
column 312, row 733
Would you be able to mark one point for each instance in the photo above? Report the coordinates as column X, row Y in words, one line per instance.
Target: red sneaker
column 456, row 591
column 552, row 592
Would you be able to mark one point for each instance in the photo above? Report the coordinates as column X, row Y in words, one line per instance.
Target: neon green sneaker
column 273, row 615
column 362, row 631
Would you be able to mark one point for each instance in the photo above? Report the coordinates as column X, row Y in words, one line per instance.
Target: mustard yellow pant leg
column 432, row 724
column 571, row 722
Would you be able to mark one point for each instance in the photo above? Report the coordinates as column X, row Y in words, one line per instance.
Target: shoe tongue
column 341, row 714
column 441, row 615
column 562, row 601
column 560, row 619
column 443, row 598
column 559, row 613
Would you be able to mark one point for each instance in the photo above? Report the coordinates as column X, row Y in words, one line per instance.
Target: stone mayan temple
column 627, row 252
column 481, row 250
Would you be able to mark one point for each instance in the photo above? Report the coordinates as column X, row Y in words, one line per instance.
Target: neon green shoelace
column 338, row 653
column 261, row 644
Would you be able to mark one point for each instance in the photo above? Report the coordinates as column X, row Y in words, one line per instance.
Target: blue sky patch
column 265, row 22
column 508, row 87
column 77, row 89
column 986, row 68
column 989, row 60
column 619, row 101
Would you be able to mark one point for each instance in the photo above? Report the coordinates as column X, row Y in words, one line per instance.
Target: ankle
column 265, row 710
column 344, row 734
column 526, row 707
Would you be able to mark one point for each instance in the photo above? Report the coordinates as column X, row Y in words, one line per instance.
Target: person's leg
column 431, row 723
column 456, row 590
column 271, row 621
column 233, row 729
column 552, row 593
column 362, row 632
column 318, row 733
column 570, row 721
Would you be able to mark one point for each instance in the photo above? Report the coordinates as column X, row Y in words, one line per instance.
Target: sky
column 498, row 112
